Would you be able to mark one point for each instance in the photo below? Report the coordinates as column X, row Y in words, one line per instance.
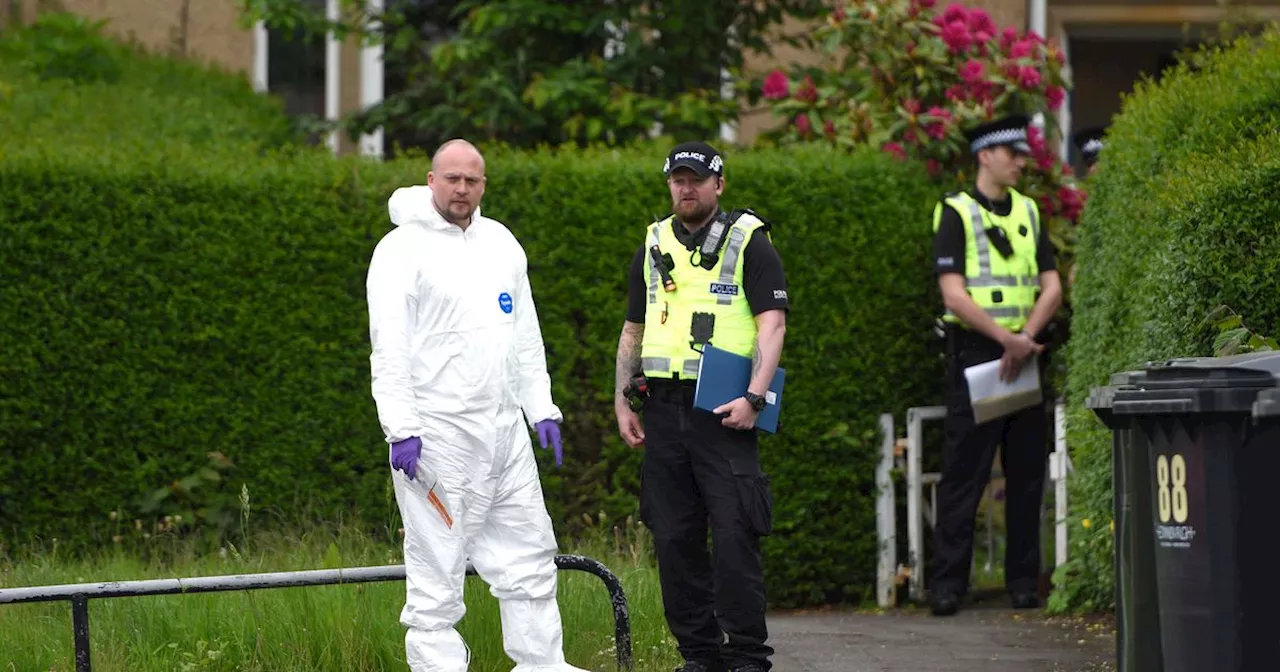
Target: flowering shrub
column 911, row 78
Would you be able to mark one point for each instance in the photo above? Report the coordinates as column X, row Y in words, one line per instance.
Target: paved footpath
column 987, row 637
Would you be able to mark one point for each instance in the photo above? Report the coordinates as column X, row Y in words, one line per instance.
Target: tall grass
column 352, row 627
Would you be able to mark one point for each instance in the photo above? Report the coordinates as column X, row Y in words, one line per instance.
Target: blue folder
column 724, row 376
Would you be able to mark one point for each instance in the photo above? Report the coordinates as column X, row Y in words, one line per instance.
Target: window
column 296, row 68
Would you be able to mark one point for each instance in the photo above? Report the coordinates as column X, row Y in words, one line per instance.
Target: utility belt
column 963, row 339
column 643, row 389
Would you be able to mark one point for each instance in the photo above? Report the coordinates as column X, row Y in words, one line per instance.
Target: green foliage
column 1234, row 337
column 911, row 77
column 66, row 46
column 171, row 307
column 353, row 628
column 1181, row 220
column 528, row 72
column 122, row 100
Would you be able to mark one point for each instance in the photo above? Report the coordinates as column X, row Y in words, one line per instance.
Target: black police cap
column 1009, row 131
column 702, row 158
column 1090, row 142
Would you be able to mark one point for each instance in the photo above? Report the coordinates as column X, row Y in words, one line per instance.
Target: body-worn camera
column 636, row 391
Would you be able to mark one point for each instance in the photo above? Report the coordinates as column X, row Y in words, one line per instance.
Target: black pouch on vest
column 1000, row 241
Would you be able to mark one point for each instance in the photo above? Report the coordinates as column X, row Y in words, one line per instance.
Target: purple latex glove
column 405, row 454
column 549, row 431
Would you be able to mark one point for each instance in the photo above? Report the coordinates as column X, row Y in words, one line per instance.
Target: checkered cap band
column 1092, row 147
column 1006, row 136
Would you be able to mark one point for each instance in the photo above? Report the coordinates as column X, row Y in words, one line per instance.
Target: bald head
column 457, row 181
column 454, row 149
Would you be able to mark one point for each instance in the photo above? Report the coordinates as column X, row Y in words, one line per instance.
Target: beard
column 455, row 212
column 694, row 213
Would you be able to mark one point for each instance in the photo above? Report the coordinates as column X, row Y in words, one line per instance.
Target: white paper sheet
column 992, row 398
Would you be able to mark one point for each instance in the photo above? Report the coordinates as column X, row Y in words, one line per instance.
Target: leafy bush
column 67, row 46
column 165, row 309
column 68, row 84
column 1180, row 221
column 908, row 77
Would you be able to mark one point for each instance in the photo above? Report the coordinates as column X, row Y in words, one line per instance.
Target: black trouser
column 967, row 458
column 697, row 470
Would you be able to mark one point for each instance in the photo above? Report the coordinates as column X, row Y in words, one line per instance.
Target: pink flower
column 1007, row 38
column 956, row 93
column 955, row 12
column 911, row 105
column 972, row 71
column 938, row 129
column 980, row 22
column 1055, row 96
column 1028, row 77
column 1035, row 139
column 1072, row 202
column 776, row 86
column 981, row 91
column 807, row 93
column 933, row 167
column 839, row 15
column 1022, row 49
column 1046, row 206
column 829, row 129
column 895, row 150
column 803, row 125
column 926, row 4
column 1046, row 162
column 956, row 35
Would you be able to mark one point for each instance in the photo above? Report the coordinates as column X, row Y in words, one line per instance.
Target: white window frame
column 372, row 85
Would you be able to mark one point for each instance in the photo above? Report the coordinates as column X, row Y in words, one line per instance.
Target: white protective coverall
column 457, row 354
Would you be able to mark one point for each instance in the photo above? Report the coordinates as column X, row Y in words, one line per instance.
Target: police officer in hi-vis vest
column 701, row 276
column 1000, row 286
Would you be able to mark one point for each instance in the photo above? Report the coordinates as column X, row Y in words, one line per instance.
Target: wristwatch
column 756, row 401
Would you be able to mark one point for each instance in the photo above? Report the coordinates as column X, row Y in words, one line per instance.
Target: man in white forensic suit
column 457, row 360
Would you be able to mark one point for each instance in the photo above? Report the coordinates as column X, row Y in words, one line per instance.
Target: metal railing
column 910, row 457
column 79, row 594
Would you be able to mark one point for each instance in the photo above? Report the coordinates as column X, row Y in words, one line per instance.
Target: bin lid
column 1251, row 369
column 1191, row 385
column 1103, row 397
column 1267, row 405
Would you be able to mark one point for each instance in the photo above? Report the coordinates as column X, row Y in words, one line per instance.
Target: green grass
column 307, row 628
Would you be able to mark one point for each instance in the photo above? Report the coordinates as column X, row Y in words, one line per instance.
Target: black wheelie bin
column 1197, row 504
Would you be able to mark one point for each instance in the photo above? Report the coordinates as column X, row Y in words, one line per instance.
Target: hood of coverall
column 413, row 205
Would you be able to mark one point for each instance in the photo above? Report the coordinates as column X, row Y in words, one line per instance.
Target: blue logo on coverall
column 504, row 302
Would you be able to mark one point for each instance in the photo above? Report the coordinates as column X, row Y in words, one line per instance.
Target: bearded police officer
column 703, row 275
column 1000, row 286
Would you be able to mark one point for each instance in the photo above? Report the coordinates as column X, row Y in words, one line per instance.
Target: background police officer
column 1089, row 143
column 704, row 275
column 993, row 259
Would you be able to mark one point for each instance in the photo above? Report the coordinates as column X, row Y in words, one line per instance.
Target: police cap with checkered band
column 1010, row 131
column 1089, row 143
column 702, row 158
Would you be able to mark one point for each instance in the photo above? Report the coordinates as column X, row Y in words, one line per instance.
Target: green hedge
column 1181, row 219
column 171, row 310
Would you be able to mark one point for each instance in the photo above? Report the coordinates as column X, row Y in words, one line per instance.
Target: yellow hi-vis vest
column 667, row 351
column 1005, row 288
